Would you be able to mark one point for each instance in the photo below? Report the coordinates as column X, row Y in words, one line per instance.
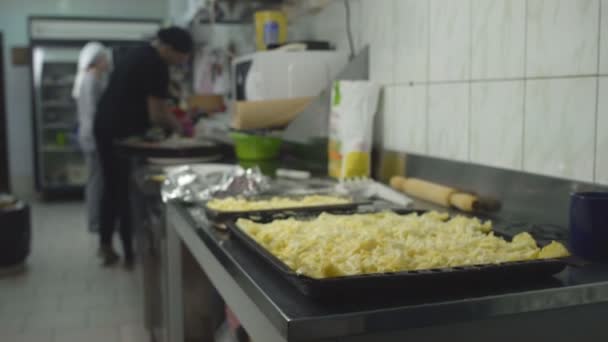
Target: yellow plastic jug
column 271, row 28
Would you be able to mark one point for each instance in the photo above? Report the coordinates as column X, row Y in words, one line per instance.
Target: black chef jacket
column 123, row 108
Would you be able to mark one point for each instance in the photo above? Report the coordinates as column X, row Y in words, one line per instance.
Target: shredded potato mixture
column 343, row 245
column 243, row 204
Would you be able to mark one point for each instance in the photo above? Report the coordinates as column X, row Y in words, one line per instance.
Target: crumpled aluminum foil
column 187, row 185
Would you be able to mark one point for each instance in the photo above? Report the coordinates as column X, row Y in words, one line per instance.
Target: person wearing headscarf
column 91, row 79
column 134, row 101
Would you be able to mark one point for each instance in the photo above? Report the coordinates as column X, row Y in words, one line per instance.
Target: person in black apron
column 134, row 100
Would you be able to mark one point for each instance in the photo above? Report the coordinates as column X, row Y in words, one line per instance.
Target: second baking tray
column 421, row 281
column 222, row 216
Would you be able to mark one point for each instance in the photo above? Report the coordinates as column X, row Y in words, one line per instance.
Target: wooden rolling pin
column 435, row 193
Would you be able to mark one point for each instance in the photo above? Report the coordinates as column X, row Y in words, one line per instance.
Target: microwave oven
column 279, row 74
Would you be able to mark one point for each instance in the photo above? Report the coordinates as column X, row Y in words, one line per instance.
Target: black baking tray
column 421, row 281
column 224, row 216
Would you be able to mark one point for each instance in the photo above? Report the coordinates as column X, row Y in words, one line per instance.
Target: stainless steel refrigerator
column 55, row 44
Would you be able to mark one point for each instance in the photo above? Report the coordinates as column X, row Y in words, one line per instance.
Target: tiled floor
column 64, row 295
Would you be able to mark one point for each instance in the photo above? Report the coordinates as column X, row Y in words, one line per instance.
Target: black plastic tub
column 15, row 234
column 420, row 281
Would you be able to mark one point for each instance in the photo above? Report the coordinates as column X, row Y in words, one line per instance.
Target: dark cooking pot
column 15, row 233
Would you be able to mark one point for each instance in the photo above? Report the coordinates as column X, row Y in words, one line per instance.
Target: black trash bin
column 15, row 233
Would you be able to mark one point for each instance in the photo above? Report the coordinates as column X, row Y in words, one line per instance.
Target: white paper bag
column 351, row 123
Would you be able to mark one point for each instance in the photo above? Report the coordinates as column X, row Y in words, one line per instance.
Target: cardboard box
column 206, row 103
column 268, row 113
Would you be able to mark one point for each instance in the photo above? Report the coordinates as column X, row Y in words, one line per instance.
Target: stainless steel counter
column 571, row 305
column 202, row 309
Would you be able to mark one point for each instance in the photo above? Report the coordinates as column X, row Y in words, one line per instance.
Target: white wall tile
column 497, row 114
column 381, row 39
column 498, row 38
column 358, row 17
column 601, row 167
column 366, row 21
column 450, row 39
column 562, row 37
column 559, row 128
column 405, row 119
column 604, row 38
column 449, row 121
column 411, row 40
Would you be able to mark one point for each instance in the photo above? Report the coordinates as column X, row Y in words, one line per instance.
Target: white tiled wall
column 559, row 127
column 601, row 166
column 411, row 42
column 449, row 39
column 381, row 41
column 498, row 33
column 408, row 107
column 506, row 83
column 604, row 38
column 497, row 121
column 562, row 37
column 448, row 116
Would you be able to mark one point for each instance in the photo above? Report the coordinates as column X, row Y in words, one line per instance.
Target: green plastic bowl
column 256, row 147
